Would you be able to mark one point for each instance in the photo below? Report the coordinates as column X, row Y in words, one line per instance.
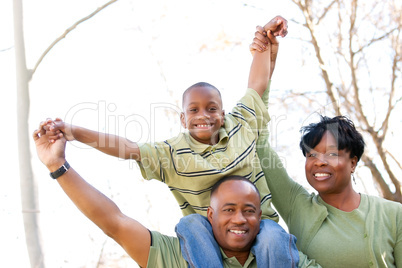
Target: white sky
column 105, row 75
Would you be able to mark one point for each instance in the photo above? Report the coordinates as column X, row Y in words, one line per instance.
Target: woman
column 338, row 227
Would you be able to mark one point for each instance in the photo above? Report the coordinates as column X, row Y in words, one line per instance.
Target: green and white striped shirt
column 191, row 168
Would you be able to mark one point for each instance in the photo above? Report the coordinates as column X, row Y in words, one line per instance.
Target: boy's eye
column 212, row 109
column 193, row 110
column 333, row 154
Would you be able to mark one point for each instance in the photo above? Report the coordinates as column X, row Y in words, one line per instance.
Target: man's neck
column 240, row 256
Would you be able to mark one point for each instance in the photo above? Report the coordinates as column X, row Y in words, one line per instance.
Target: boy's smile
column 202, row 113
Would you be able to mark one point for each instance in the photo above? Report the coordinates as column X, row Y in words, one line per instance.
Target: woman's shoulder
column 384, row 204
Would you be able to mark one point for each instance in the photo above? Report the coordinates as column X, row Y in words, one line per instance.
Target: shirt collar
column 232, row 260
column 199, row 147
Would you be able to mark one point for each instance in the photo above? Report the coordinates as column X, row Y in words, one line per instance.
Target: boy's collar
column 199, row 147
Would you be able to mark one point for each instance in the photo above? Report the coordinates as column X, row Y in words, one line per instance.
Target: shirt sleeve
column 398, row 244
column 165, row 252
column 154, row 157
column 252, row 111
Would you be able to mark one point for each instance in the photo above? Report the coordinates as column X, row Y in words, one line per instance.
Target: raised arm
column 265, row 50
column 109, row 144
column 130, row 234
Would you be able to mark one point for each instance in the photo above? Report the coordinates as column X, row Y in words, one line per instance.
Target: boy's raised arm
column 109, row 144
column 264, row 59
column 102, row 211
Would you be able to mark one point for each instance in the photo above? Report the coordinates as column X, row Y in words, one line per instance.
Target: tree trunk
column 29, row 198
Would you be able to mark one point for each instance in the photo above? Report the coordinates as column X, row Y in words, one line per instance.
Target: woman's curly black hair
column 341, row 127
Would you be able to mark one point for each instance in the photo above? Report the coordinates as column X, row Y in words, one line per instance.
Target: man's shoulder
column 165, row 252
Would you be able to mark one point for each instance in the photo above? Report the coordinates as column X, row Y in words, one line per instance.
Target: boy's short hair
column 200, row 84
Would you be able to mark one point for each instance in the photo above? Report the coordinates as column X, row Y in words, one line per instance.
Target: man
column 234, row 214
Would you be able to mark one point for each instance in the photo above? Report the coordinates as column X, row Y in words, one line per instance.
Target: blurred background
column 122, row 70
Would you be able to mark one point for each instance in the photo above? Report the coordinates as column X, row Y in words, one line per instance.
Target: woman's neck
column 346, row 201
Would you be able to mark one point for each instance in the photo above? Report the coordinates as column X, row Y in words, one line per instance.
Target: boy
column 216, row 146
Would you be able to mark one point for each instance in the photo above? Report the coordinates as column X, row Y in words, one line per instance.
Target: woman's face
column 328, row 170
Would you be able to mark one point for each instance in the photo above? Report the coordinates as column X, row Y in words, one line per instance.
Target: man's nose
column 239, row 218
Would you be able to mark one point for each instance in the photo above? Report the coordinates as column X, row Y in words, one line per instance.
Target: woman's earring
column 353, row 177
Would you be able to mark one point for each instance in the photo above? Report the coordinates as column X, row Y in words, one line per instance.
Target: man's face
column 235, row 216
column 203, row 114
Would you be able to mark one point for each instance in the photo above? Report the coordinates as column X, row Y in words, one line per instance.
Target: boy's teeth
column 238, row 232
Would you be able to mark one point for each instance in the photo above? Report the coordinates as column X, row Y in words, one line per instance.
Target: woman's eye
column 312, row 155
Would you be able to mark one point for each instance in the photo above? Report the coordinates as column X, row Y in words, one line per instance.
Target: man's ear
column 183, row 120
column 210, row 212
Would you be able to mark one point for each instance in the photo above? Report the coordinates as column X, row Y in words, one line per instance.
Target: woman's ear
column 354, row 163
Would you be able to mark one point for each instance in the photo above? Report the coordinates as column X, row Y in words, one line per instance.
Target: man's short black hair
column 233, row 178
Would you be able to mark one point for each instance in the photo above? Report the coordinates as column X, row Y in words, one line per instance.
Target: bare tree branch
column 5, row 49
column 68, row 31
column 394, row 158
column 325, row 11
column 372, row 41
column 396, row 58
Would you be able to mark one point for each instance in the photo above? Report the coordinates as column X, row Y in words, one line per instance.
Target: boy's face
column 203, row 114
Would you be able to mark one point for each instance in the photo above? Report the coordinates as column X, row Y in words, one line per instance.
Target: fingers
column 40, row 131
column 47, row 128
column 260, row 40
column 278, row 26
column 272, row 38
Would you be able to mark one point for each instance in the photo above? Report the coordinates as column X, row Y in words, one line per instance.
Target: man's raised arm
column 130, row 234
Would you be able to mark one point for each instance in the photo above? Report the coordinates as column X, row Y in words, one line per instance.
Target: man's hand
column 55, row 129
column 52, row 154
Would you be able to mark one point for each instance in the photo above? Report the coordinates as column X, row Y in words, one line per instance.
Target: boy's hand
column 52, row 154
column 266, row 35
column 56, row 129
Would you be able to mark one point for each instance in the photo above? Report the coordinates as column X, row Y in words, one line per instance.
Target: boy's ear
column 183, row 120
column 223, row 118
